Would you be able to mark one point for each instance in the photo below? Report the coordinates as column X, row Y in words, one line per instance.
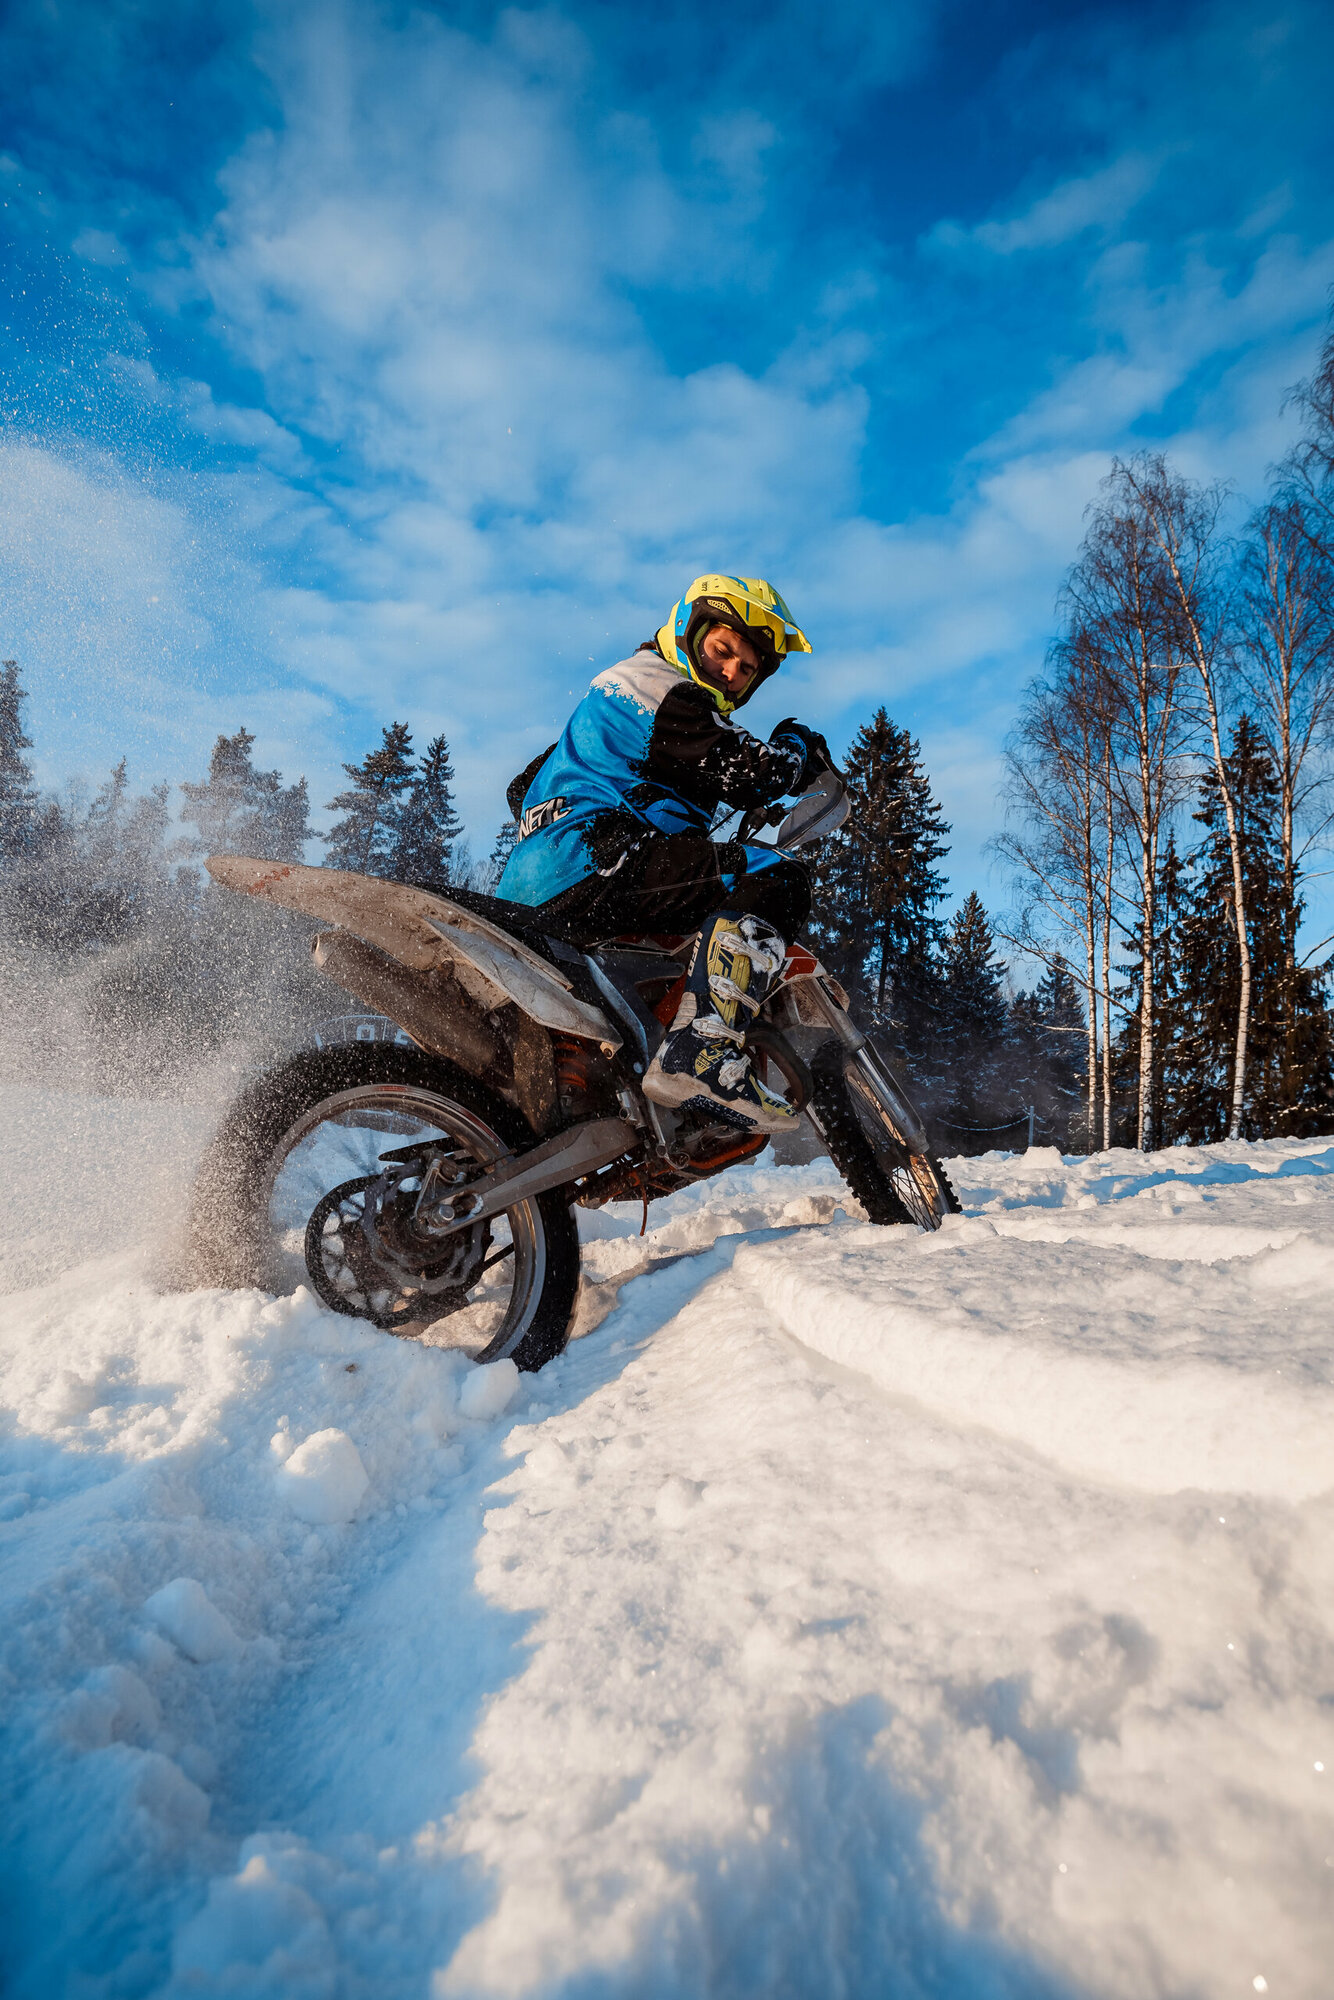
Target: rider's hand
column 793, row 735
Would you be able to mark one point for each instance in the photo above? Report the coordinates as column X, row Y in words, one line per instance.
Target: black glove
column 793, row 735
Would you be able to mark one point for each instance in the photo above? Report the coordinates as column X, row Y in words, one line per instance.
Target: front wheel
column 867, row 1138
column 312, row 1179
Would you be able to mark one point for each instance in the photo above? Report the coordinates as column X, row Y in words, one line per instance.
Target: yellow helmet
column 750, row 606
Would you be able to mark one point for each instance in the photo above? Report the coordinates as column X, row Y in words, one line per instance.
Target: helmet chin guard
column 747, row 605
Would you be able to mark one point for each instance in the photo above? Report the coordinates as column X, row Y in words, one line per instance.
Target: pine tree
column 972, row 1029
column 154, row 971
column 1060, row 1003
column 363, row 839
column 99, row 836
column 1174, row 1050
column 1046, row 1053
column 99, row 874
column 426, row 827
column 974, row 1004
column 240, row 810
column 1289, row 1087
column 18, row 796
column 876, row 886
column 142, row 853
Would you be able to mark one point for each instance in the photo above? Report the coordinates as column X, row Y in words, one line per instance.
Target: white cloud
column 1101, row 200
column 1151, row 339
column 99, row 246
column 427, row 264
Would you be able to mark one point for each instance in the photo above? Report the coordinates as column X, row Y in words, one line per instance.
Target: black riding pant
column 674, row 882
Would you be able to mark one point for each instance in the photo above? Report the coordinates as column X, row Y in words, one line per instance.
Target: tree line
column 107, row 892
column 981, row 1054
column 1167, row 782
column 103, row 899
column 79, row 871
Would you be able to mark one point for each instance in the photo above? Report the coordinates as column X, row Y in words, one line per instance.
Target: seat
column 535, row 927
column 496, row 910
column 520, row 918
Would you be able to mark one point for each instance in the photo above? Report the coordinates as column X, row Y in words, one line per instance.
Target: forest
column 1167, row 790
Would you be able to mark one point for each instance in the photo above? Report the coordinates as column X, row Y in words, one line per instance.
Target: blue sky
column 366, row 362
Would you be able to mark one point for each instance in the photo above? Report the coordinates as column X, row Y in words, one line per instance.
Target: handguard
column 821, row 809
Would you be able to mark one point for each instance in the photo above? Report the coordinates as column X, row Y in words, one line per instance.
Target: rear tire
column 232, row 1240
column 892, row 1183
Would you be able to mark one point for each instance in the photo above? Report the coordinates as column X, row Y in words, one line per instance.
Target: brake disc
column 365, row 1258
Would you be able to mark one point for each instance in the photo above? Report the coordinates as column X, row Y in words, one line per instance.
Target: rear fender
column 425, row 932
column 501, row 1048
column 492, row 973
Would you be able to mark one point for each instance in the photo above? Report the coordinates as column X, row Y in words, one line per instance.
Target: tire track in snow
column 294, row 1768
column 798, row 1645
column 1118, row 1367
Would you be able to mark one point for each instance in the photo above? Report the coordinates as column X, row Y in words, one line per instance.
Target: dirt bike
column 427, row 1183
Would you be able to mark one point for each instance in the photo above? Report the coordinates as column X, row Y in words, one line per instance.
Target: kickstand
column 643, row 1188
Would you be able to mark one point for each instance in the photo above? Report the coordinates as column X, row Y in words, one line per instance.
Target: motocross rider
column 613, row 831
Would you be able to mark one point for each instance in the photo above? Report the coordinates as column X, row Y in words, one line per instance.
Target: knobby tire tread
column 849, row 1147
column 227, row 1232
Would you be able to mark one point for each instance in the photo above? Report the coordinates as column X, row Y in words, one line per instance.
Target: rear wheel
column 313, row 1178
column 866, row 1138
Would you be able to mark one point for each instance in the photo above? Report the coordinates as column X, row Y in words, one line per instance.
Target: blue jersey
column 645, row 751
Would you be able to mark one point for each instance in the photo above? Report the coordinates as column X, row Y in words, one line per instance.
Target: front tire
column 892, row 1182
column 296, row 1132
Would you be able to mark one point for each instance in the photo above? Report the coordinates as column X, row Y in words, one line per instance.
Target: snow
column 69, row 1189
column 183, row 1610
column 487, row 1392
column 323, row 1480
column 848, row 1611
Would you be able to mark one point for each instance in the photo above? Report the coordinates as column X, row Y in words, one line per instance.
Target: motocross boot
column 704, row 1064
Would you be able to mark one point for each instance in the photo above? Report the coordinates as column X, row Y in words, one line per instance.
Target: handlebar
column 821, row 809
column 758, row 818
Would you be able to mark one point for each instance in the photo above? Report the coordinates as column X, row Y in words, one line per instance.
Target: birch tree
column 1116, row 596
column 1182, row 520
column 1309, row 468
column 1057, row 843
column 1286, row 653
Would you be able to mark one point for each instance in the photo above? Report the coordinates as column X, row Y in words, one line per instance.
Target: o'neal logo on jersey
column 537, row 817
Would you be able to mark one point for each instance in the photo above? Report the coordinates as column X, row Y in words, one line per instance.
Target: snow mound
column 324, row 1480
column 257, row 1934
column 183, row 1611
column 488, row 1392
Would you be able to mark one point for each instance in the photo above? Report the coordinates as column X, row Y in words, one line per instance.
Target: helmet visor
column 767, row 628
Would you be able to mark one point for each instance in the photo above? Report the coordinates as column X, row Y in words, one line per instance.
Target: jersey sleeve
column 518, row 788
column 694, row 750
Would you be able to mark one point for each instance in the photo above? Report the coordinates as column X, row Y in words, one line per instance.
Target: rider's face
column 728, row 659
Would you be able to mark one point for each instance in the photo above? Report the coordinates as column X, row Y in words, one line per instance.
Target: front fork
column 818, row 1000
